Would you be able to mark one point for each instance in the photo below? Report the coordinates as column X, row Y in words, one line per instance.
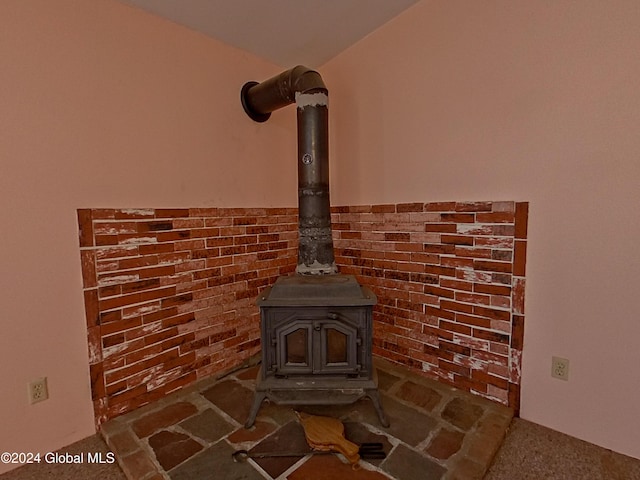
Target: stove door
column 294, row 348
column 336, row 346
column 321, row 343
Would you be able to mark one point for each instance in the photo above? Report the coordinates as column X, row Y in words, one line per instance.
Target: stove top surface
column 316, row 290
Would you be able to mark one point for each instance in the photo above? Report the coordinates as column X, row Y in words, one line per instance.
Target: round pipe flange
column 255, row 116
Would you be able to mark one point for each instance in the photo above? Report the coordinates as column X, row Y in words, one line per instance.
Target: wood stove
column 316, row 343
column 316, row 326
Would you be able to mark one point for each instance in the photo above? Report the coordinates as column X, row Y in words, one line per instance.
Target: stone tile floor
column 436, row 432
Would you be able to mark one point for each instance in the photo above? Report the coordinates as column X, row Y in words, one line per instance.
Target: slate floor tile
column 445, row 443
column 208, row 426
column 289, row 438
column 215, row 463
column 232, row 398
column 406, row 423
column 330, row 467
column 420, row 395
column 407, row 464
column 462, row 414
column 173, row 448
column 259, row 430
column 276, row 413
column 249, row 373
column 169, row 415
column 386, row 380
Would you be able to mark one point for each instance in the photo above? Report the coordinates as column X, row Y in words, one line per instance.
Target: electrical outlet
column 38, row 390
column 560, row 368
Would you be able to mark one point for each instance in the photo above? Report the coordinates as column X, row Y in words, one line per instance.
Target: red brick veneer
column 169, row 293
column 450, row 283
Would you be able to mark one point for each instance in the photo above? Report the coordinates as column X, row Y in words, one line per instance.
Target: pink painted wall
column 451, row 101
column 90, row 90
column 526, row 101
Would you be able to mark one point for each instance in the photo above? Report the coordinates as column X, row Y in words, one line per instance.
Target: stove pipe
column 306, row 88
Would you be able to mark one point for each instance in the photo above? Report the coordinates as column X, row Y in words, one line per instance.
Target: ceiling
column 284, row 32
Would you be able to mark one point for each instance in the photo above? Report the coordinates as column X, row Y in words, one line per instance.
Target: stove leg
column 257, row 401
column 377, row 403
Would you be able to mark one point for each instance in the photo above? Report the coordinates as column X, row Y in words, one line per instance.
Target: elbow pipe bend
column 260, row 99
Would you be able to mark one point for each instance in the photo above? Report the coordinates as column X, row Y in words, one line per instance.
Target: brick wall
column 169, row 293
column 450, row 283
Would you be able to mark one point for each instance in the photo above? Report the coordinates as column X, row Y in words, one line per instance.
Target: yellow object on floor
column 326, row 434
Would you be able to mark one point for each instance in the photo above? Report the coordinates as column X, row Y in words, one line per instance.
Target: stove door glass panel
column 336, row 346
column 296, row 350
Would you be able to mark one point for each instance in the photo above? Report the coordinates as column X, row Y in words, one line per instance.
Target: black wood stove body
column 316, row 325
column 316, row 343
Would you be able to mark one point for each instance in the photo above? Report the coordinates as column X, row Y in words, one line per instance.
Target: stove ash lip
column 305, row 87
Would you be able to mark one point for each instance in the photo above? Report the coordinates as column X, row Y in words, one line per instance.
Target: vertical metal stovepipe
column 306, row 88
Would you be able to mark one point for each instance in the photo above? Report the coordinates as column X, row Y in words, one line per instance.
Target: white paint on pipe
column 318, row 99
column 317, row 268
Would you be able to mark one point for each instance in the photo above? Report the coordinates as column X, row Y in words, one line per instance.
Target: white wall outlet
column 38, row 390
column 560, row 368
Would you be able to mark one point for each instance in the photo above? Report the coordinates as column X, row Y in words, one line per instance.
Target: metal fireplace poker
column 316, row 325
